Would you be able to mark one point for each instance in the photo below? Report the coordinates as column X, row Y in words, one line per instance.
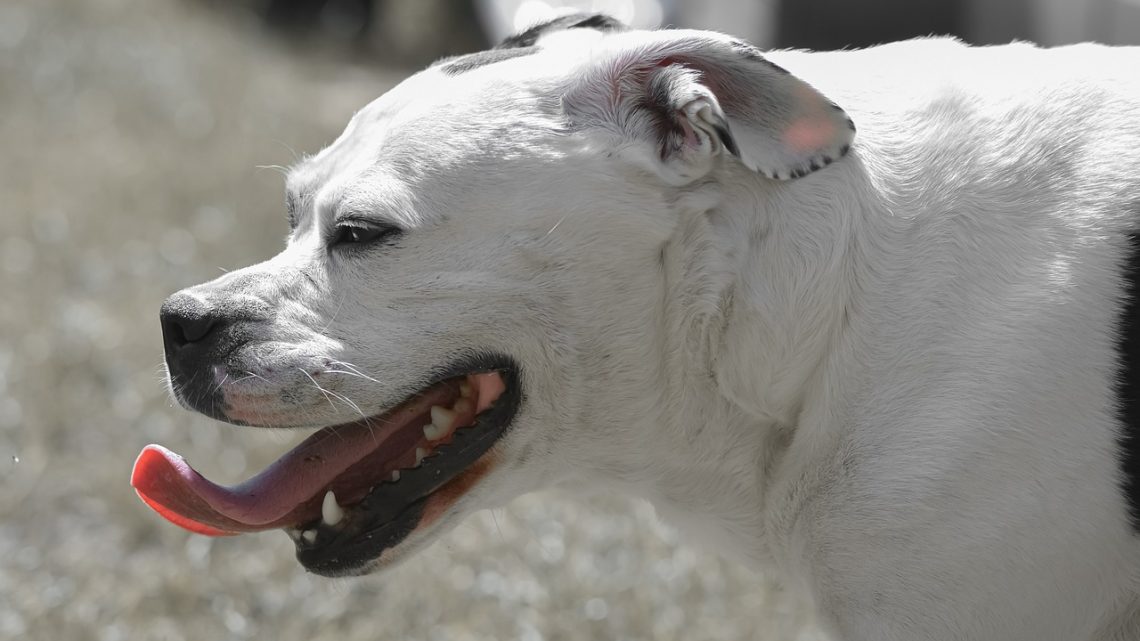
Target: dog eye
column 359, row 234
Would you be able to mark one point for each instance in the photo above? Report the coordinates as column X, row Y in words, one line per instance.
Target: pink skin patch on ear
column 809, row 134
column 812, row 132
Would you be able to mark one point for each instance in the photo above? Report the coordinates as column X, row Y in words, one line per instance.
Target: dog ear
column 676, row 99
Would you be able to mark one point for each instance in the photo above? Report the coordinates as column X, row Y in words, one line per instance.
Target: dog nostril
column 192, row 330
column 186, row 321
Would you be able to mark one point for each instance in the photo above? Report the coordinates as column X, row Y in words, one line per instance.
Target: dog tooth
column 420, row 454
column 310, row 536
column 465, row 389
column 442, row 417
column 463, row 406
column 432, row 431
column 331, row 512
column 395, row 475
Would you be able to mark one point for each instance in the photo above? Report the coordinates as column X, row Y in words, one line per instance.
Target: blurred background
column 138, row 140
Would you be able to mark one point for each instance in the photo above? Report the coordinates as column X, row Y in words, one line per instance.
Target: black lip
column 190, row 368
column 392, row 510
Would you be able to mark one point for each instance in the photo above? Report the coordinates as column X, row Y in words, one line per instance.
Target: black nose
column 195, row 335
column 185, row 320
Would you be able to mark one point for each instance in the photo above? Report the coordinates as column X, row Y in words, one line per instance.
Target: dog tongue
column 167, row 483
column 274, row 498
column 288, row 492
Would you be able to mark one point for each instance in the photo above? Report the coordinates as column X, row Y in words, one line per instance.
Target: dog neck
column 748, row 309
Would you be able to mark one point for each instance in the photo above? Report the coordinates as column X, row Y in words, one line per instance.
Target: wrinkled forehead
column 456, row 114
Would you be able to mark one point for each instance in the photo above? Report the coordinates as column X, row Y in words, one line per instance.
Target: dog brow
column 298, row 191
column 296, row 200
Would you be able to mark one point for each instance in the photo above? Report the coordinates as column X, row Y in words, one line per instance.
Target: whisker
column 364, row 418
column 220, row 383
column 355, row 369
column 284, row 171
column 333, row 317
column 329, row 395
column 347, row 373
column 555, row 226
column 250, row 375
column 320, row 389
column 296, row 156
column 347, row 401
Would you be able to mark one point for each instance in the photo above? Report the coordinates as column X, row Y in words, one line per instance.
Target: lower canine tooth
column 395, row 475
column 331, row 513
column 310, row 536
column 420, row 454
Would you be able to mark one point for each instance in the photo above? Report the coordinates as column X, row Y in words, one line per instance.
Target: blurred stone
column 596, row 609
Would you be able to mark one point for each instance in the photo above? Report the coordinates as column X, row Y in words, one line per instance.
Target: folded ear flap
column 679, row 98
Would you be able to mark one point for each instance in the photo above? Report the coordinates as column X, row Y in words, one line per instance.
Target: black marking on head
column 596, row 21
column 657, row 102
column 456, row 66
column 1128, row 380
column 851, row 124
column 843, row 150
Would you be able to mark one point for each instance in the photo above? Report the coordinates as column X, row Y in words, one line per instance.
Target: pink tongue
column 286, row 492
column 167, row 483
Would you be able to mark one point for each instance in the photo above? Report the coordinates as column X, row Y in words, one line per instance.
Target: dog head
column 472, row 300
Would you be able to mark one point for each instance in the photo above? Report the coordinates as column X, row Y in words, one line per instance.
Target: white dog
column 897, row 368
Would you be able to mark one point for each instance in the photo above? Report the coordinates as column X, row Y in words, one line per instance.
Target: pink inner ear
column 691, row 139
column 814, row 130
column 809, row 134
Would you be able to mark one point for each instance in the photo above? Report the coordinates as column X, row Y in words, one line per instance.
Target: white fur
column 889, row 380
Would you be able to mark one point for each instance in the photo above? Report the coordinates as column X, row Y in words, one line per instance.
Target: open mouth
column 351, row 491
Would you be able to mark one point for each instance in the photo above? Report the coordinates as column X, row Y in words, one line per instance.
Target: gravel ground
column 131, row 136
